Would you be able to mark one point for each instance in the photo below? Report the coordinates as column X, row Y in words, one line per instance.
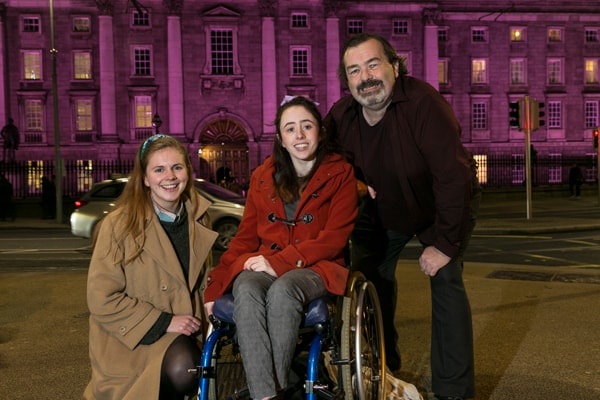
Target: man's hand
column 432, row 260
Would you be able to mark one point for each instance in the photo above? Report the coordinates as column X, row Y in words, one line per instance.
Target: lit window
column 517, row 34
column 32, row 65
column 299, row 20
column 591, row 71
column 354, row 26
column 83, row 115
column 142, row 61
column 555, row 34
column 479, row 71
column 82, row 65
column 33, row 115
column 143, row 112
column 443, row 72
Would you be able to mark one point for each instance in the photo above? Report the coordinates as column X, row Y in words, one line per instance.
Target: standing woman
column 289, row 248
column 145, row 281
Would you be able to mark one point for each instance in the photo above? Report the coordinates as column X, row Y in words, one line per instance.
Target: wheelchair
column 343, row 335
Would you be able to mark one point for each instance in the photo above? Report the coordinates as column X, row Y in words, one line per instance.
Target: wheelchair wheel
column 362, row 344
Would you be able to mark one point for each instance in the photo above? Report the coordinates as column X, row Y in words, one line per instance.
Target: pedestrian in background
column 146, row 279
column 11, row 138
column 48, row 198
column 575, row 181
column 405, row 143
column 7, row 211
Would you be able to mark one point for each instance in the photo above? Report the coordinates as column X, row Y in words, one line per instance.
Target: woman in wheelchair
column 289, row 248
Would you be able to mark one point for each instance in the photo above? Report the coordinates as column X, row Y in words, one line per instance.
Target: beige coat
column 125, row 301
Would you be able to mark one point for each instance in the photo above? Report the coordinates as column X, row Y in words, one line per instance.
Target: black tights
column 175, row 380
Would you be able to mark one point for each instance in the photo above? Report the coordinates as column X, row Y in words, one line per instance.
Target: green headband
column 148, row 142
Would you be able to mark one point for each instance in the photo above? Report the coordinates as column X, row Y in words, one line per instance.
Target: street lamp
column 156, row 123
column 58, row 160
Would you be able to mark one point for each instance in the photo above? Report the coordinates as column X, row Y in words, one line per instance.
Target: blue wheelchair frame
column 350, row 326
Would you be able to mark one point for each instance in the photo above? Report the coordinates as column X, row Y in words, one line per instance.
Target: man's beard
column 371, row 98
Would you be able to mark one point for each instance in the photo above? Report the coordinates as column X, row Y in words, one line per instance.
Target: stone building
column 212, row 73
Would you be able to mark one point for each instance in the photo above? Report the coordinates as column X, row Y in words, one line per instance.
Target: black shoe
column 448, row 398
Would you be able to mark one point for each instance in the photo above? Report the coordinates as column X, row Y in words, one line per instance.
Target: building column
column 333, row 53
column 269, row 74
column 4, row 103
column 431, row 54
column 108, row 102
column 175, row 76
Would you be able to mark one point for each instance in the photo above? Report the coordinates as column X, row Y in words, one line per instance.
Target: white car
column 225, row 212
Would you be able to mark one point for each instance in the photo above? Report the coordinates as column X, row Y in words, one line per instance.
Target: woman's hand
column 259, row 264
column 209, row 307
column 184, row 324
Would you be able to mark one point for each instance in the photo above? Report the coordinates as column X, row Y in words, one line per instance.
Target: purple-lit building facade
column 215, row 72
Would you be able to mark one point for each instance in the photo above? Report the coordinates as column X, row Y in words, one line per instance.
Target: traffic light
column 595, row 138
column 514, row 114
column 537, row 115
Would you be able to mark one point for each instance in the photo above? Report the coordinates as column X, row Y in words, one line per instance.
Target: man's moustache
column 368, row 84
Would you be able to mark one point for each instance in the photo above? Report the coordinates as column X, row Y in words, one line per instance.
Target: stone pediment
column 221, row 11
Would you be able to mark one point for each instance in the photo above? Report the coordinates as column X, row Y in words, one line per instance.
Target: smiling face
column 371, row 76
column 167, row 177
column 300, row 137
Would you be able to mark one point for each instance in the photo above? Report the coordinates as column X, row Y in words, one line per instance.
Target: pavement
column 500, row 213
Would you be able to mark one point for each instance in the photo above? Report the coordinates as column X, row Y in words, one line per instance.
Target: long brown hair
column 135, row 205
column 287, row 186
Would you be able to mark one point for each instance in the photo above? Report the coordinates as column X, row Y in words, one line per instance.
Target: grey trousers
column 267, row 313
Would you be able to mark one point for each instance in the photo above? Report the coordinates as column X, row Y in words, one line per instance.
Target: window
column 82, row 65
column 31, row 24
column 479, row 115
column 554, row 34
column 443, row 72
column 140, row 19
column 517, row 34
column 33, row 115
column 555, row 71
column 83, row 115
column 591, row 114
column 354, row 26
column 591, row 35
column 81, row 24
column 142, row 61
column 401, row 27
column 517, row 71
column 32, row 64
column 299, row 20
column 221, row 52
column 479, row 35
column 591, row 71
column 555, row 168
column 479, row 71
column 143, row 112
column 442, row 34
column 554, row 118
column 300, row 61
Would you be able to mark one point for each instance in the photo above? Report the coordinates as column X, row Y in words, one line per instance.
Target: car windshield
column 220, row 192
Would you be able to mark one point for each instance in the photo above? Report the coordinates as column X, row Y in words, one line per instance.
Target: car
column 225, row 211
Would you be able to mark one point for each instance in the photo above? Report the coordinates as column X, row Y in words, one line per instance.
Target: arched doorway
column 223, row 153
